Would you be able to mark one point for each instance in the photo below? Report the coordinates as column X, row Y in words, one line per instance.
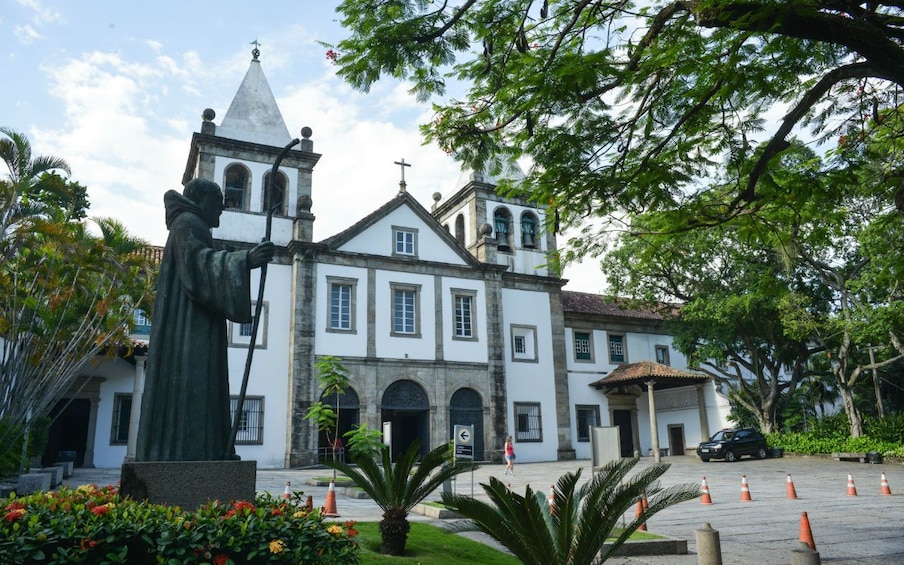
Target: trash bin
column 776, row 452
column 874, row 457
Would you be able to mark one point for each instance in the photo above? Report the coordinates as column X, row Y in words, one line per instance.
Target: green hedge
column 93, row 525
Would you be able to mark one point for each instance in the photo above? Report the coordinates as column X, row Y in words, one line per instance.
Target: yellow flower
column 277, row 546
column 335, row 529
column 300, row 514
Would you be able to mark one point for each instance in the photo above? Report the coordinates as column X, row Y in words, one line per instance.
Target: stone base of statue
column 189, row 484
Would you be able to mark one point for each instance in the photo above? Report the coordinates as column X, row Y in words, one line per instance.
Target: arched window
column 460, row 229
column 502, row 223
column 235, row 186
column 528, row 230
column 275, row 194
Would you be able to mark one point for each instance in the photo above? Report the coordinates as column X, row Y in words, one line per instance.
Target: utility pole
column 872, row 361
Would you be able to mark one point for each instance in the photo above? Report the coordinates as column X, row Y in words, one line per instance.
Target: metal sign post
column 464, row 446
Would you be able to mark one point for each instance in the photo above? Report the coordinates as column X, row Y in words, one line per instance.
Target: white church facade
column 443, row 316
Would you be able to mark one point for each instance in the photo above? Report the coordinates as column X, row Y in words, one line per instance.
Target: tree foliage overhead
column 641, row 106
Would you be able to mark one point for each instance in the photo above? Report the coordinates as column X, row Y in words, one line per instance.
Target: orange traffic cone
column 886, row 491
column 551, row 499
column 792, row 494
column 745, row 491
column 329, row 508
column 309, row 504
column 641, row 506
column 806, row 535
column 705, row 499
column 287, row 493
column 852, row 490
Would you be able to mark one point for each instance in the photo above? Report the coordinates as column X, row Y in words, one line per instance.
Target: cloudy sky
column 117, row 89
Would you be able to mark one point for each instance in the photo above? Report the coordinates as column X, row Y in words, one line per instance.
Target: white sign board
column 464, row 441
column 605, row 445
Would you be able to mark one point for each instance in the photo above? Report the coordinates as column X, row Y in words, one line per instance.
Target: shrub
column 93, row 525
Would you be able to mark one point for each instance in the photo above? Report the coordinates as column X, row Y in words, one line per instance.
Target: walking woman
column 509, row 456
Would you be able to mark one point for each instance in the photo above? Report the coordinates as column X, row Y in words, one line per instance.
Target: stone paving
column 865, row 529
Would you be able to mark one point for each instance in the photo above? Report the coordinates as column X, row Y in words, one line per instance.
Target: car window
column 743, row 434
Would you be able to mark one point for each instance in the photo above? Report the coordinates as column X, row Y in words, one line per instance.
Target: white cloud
column 42, row 15
column 26, row 34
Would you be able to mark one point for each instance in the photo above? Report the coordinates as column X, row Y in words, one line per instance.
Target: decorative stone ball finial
column 306, row 132
column 208, row 114
column 305, row 202
column 485, row 229
column 437, row 197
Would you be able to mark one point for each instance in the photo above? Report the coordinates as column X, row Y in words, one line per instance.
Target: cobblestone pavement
column 865, row 529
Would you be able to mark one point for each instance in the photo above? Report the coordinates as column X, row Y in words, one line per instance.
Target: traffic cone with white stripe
column 851, row 489
column 792, row 493
column 329, row 508
column 287, row 493
column 706, row 498
column 745, row 490
column 886, row 490
column 551, row 499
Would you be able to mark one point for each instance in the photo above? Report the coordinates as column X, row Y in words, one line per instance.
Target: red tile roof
column 585, row 303
column 639, row 373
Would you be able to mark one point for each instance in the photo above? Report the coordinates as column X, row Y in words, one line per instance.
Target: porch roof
column 643, row 372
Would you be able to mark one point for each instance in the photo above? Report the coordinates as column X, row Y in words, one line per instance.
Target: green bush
column 890, row 428
column 91, row 525
column 810, row 444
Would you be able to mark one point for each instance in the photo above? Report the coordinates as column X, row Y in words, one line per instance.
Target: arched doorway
column 348, row 410
column 405, row 405
column 466, row 408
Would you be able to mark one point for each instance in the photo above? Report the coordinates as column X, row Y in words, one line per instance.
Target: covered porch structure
column 655, row 376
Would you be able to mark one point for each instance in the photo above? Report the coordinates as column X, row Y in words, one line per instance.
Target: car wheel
column 761, row 454
column 704, row 459
column 730, row 456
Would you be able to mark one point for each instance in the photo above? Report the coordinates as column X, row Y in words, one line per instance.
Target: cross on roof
column 255, row 53
column 402, row 164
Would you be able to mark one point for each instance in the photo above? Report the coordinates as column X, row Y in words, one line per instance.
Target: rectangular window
column 122, row 413
column 587, row 417
column 251, row 423
column 662, row 354
column 405, row 311
column 528, row 424
column 463, row 304
column 142, row 323
column 582, row 349
column 524, row 343
column 617, row 349
column 404, row 241
column 240, row 332
column 341, row 306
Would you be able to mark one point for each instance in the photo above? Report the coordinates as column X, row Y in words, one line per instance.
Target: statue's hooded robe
column 185, row 408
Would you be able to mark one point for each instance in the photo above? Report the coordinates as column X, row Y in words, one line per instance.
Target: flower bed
column 93, row 525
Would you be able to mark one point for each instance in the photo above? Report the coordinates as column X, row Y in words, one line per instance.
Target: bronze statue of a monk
column 185, row 408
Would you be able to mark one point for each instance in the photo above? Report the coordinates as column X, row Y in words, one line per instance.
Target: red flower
column 276, row 512
column 220, row 559
column 88, row 543
column 14, row 514
column 15, row 505
column 332, row 55
column 100, row 510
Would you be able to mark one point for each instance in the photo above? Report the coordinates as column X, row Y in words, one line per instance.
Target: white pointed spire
column 254, row 115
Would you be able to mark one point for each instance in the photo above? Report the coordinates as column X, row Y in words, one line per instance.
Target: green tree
column 584, row 517
column 333, row 377
column 639, row 106
column 397, row 487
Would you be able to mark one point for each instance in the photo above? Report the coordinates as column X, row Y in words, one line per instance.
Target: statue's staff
column 259, row 306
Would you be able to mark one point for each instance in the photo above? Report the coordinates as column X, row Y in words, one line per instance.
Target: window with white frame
column 122, row 414
column 463, row 302
column 617, row 353
column 341, row 316
column 404, row 241
column 142, row 323
column 586, row 416
column 250, row 430
column 583, row 346
column 662, row 354
column 240, row 332
column 524, row 343
column 405, row 311
column 528, row 424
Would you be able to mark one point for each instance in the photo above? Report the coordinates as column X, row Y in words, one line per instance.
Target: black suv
column 731, row 445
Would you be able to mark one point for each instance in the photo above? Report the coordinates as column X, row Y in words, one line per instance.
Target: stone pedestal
column 30, row 483
column 56, row 475
column 67, row 467
column 189, row 484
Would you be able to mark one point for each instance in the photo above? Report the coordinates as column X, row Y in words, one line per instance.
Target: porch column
column 654, row 429
column 92, row 430
column 701, row 405
column 135, row 413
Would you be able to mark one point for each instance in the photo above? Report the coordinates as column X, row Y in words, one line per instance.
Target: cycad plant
column 398, row 487
column 583, row 519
